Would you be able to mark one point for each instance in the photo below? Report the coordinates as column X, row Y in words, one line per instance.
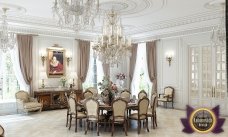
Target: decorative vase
column 121, row 83
column 64, row 83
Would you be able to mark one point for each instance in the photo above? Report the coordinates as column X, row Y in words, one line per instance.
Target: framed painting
column 55, row 62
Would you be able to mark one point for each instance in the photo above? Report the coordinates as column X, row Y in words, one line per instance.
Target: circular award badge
column 202, row 120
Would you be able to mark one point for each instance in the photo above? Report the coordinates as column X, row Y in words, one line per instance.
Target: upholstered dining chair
column 167, row 96
column 92, row 113
column 142, row 94
column 152, row 110
column 25, row 103
column 93, row 90
column 141, row 115
column 87, row 94
column 119, row 108
column 126, row 95
column 74, row 113
column 1, row 131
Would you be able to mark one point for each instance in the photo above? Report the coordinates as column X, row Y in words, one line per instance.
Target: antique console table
column 54, row 98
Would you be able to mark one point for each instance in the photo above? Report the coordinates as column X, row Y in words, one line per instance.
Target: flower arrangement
column 108, row 88
column 63, row 80
column 120, row 76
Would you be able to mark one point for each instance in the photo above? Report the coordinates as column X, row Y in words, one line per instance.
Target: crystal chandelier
column 76, row 14
column 112, row 46
column 218, row 36
column 7, row 39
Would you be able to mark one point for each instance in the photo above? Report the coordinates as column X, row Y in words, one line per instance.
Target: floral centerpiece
column 120, row 79
column 63, row 81
column 108, row 90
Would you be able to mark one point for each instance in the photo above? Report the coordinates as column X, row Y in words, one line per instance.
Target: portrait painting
column 55, row 62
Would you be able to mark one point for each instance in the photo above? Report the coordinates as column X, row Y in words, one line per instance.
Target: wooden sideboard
column 55, row 98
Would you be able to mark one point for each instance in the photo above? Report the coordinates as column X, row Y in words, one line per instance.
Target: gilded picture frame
column 56, row 62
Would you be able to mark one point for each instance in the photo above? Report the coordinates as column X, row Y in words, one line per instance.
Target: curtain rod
column 27, row 34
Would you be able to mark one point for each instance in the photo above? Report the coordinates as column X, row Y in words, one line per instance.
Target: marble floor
column 52, row 124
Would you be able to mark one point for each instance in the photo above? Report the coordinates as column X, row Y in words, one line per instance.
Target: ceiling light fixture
column 112, row 46
column 7, row 39
column 76, row 14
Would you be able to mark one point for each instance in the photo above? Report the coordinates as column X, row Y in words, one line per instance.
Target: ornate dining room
column 139, row 68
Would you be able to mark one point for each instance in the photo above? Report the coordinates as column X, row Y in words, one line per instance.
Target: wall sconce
column 68, row 60
column 169, row 57
column 43, row 58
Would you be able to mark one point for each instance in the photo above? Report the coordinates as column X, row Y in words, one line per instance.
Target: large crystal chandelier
column 112, row 46
column 218, row 36
column 7, row 39
column 76, row 14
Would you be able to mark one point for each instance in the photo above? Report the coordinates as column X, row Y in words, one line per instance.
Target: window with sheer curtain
column 141, row 79
column 95, row 72
column 8, row 82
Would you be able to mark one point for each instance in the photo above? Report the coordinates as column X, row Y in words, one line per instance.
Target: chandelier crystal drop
column 112, row 46
column 76, row 14
column 7, row 39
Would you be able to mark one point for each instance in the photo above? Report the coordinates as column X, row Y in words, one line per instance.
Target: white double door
column 207, row 73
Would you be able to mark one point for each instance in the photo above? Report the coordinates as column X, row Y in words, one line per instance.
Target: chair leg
column 67, row 119
column 172, row 105
column 125, row 127
column 76, row 125
column 97, row 128
column 112, row 127
column 156, row 119
column 153, row 121
column 70, row 121
column 139, row 126
column 86, row 126
column 147, row 125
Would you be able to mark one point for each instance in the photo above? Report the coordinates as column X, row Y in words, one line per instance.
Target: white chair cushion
column 135, row 116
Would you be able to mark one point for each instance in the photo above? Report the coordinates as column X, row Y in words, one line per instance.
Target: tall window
column 95, row 72
column 8, row 81
column 141, row 79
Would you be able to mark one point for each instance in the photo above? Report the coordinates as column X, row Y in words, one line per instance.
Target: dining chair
column 142, row 94
column 1, row 131
column 87, row 94
column 152, row 110
column 74, row 113
column 141, row 115
column 126, row 95
column 92, row 113
column 94, row 91
column 119, row 108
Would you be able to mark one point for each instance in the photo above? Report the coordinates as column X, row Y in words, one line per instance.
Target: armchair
column 167, row 96
column 26, row 103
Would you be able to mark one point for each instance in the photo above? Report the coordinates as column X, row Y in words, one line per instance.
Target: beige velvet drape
column 83, row 61
column 152, row 64
column 25, row 43
column 132, row 62
column 106, row 69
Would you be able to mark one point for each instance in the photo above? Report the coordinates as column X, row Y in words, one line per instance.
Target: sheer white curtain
column 16, row 68
column 141, row 78
column 90, row 74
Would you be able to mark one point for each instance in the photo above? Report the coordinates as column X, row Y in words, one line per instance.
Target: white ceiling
column 139, row 17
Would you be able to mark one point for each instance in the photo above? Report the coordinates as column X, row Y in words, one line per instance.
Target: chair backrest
column 169, row 91
column 126, row 95
column 92, row 108
column 142, row 94
column 22, row 95
column 88, row 94
column 72, row 105
column 143, row 107
column 119, row 107
column 93, row 90
column 1, row 131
